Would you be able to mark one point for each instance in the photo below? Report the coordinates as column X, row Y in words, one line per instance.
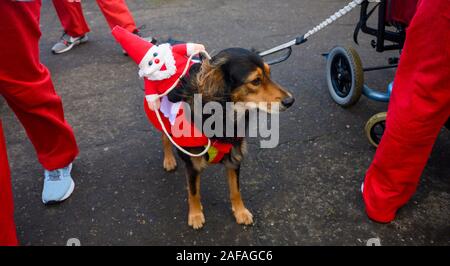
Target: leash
column 174, row 85
column 301, row 39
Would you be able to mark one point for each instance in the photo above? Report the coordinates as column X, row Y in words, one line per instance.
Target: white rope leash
column 334, row 17
column 317, row 28
column 174, row 85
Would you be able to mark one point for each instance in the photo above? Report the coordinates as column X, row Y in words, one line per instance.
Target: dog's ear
column 254, row 50
column 210, row 79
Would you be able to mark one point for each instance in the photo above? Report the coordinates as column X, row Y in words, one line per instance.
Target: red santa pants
column 418, row 109
column 71, row 16
column 7, row 227
column 27, row 87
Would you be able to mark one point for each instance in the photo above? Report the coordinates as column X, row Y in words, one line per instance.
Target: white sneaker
column 67, row 42
column 58, row 185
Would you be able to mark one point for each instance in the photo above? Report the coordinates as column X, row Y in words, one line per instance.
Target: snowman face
column 158, row 63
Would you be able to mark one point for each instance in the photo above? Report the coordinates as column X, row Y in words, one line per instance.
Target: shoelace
column 54, row 175
column 65, row 38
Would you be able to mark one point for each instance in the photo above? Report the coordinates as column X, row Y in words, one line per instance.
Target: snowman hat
column 136, row 47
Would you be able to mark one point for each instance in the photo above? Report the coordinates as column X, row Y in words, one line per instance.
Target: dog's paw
column 196, row 220
column 170, row 164
column 243, row 216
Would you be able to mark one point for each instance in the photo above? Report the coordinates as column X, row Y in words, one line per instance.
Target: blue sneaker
column 58, row 185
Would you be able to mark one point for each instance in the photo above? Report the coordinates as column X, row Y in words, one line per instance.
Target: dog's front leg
column 196, row 219
column 242, row 215
column 169, row 163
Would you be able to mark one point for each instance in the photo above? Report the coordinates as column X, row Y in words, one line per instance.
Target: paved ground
column 304, row 192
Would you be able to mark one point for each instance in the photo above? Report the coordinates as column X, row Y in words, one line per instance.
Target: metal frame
column 381, row 33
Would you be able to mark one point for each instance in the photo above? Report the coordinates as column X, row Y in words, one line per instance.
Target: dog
column 233, row 75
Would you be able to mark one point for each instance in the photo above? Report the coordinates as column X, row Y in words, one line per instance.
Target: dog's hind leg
column 169, row 163
column 196, row 219
column 242, row 215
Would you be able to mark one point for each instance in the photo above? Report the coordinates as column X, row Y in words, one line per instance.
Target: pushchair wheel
column 375, row 128
column 345, row 76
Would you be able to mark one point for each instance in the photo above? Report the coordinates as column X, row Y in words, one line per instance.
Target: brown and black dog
column 233, row 75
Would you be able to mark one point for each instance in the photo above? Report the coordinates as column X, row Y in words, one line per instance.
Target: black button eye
column 155, row 54
column 150, row 63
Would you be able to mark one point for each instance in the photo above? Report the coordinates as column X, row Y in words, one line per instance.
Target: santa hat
column 135, row 46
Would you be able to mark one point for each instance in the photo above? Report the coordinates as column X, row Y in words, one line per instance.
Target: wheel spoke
column 339, row 84
column 346, row 89
column 336, row 69
column 378, row 130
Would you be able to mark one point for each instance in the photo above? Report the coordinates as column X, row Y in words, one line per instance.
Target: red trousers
column 71, row 16
column 7, row 227
column 27, row 87
column 419, row 107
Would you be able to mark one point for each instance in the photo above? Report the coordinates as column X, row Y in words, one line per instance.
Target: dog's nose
column 288, row 102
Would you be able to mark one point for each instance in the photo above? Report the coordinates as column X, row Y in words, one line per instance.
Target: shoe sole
column 66, row 196
column 70, row 47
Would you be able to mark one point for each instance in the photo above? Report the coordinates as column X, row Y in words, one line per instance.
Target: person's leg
column 71, row 16
column 75, row 27
column 27, row 87
column 7, row 226
column 419, row 107
column 40, row 111
column 116, row 12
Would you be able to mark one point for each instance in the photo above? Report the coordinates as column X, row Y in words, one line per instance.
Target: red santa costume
column 418, row 109
column 162, row 66
column 7, row 227
column 71, row 16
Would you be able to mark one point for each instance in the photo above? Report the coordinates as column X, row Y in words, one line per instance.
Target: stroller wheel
column 345, row 76
column 375, row 128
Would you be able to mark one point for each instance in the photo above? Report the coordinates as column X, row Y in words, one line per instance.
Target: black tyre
column 345, row 76
column 375, row 128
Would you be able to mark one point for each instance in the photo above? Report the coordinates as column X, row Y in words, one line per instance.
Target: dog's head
column 241, row 76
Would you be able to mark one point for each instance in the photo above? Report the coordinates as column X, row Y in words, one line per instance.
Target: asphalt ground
column 306, row 191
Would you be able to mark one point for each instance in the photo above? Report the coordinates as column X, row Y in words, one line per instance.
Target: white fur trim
column 152, row 97
column 190, row 49
column 165, row 57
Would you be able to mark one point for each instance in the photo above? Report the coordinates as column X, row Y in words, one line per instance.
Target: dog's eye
column 256, row 82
